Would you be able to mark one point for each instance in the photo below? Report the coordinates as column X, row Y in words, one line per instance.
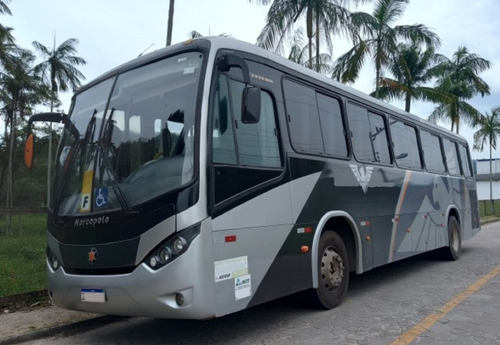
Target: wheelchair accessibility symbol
column 101, row 199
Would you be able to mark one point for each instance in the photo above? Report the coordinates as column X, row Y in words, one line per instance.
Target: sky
column 111, row 32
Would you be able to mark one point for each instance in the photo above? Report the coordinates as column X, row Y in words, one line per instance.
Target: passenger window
column 368, row 135
column 404, row 139
column 464, row 159
column 450, row 150
column 332, row 126
column 302, row 111
column 433, row 155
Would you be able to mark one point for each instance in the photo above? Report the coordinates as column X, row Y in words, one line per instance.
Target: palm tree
column 459, row 78
column 380, row 40
column 20, row 89
column 4, row 9
column 323, row 18
column 170, row 22
column 299, row 53
column 487, row 134
column 8, row 47
column 410, row 68
column 59, row 71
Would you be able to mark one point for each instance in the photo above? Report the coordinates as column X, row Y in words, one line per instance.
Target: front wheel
column 454, row 249
column 333, row 272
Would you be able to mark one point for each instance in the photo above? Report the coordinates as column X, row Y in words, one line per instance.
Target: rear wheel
column 454, row 249
column 333, row 272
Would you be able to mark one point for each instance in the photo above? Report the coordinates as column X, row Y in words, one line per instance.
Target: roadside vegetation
column 22, row 255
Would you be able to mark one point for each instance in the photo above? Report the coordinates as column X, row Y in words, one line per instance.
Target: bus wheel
column 333, row 272
column 454, row 249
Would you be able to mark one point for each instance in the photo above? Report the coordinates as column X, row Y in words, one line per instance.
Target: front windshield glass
column 136, row 138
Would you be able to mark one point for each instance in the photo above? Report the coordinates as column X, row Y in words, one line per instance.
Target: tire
column 333, row 272
column 454, row 249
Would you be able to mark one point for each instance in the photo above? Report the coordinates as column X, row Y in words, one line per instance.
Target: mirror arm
column 54, row 117
column 226, row 61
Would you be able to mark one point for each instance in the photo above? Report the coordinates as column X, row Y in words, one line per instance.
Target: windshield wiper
column 104, row 144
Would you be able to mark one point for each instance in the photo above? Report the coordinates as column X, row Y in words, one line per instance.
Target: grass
column 22, row 254
column 485, row 208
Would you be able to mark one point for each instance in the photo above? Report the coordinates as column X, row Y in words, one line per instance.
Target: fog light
column 153, row 261
column 179, row 299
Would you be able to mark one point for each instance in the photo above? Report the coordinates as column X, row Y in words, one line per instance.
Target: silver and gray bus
column 212, row 176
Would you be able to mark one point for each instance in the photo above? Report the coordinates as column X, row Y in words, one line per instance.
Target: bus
column 212, row 176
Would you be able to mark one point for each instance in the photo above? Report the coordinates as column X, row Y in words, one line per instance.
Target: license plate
column 93, row 295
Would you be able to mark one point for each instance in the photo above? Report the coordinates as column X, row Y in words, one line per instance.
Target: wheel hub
column 332, row 268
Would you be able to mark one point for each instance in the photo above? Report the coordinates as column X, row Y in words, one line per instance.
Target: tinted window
column 244, row 144
column 332, row 126
column 464, row 158
column 368, row 134
column 302, row 111
column 433, row 156
column 404, row 139
column 450, row 151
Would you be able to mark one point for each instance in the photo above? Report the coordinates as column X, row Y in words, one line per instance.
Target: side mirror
column 28, row 150
column 45, row 117
column 250, row 105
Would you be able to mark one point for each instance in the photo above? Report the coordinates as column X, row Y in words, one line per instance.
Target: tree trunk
column 408, row 102
column 491, row 181
column 170, row 23
column 317, row 38
column 309, row 25
column 49, row 154
column 10, row 181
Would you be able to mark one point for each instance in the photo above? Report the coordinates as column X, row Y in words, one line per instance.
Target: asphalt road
column 421, row 300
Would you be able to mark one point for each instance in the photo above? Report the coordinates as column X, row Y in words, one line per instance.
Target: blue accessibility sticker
column 101, row 197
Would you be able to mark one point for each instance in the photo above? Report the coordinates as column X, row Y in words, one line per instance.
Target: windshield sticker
column 189, row 70
column 242, row 287
column 86, row 191
column 231, row 268
column 101, row 199
column 262, row 78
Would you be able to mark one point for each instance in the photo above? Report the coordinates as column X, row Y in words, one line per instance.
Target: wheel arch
column 453, row 211
column 345, row 226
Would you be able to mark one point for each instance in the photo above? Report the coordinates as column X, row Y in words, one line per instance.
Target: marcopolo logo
column 362, row 175
column 85, row 222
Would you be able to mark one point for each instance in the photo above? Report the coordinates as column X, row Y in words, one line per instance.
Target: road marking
column 424, row 325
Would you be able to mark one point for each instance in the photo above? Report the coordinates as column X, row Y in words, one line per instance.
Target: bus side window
column 369, row 136
column 332, row 126
column 303, row 118
column 464, row 159
column 433, row 155
column 450, row 150
column 406, row 149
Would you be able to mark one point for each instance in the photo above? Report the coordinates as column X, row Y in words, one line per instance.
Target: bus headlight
column 178, row 245
column 172, row 247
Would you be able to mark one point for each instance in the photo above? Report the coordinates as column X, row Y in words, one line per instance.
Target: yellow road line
column 407, row 337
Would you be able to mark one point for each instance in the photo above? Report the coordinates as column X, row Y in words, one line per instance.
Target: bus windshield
column 136, row 136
